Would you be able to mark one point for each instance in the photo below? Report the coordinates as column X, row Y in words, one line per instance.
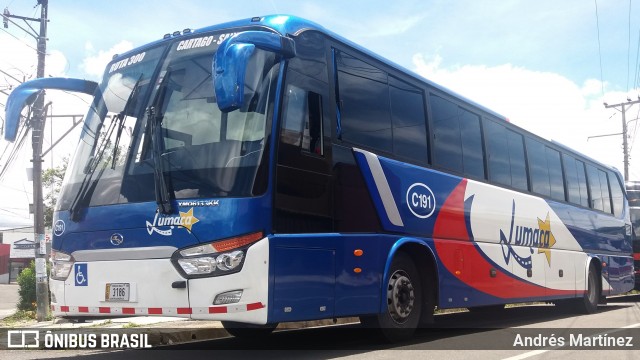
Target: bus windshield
column 133, row 129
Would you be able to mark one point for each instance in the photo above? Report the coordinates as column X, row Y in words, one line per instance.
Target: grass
column 100, row 324
column 130, row 325
column 22, row 317
column 19, row 317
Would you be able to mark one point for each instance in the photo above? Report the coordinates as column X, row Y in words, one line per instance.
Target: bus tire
column 246, row 331
column 404, row 302
column 588, row 304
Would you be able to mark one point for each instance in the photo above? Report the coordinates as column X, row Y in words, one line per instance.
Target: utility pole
column 37, row 132
column 623, row 107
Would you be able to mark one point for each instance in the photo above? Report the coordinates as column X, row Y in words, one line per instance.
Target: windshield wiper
column 120, row 118
column 154, row 118
column 87, row 186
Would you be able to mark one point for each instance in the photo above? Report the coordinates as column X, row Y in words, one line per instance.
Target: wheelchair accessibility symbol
column 82, row 277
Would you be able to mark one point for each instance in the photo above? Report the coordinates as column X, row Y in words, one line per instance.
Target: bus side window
column 595, row 188
column 364, row 103
column 538, row 168
column 505, row 156
column 576, row 181
column 457, row 142
column 409, row 121
column 556, row 180
column 302, row 124
column 617, row 196
column 604, row 189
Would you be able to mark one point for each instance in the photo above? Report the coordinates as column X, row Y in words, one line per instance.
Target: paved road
column 8, row 299
column 452, row 338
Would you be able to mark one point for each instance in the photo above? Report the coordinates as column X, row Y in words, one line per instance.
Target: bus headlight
column 216, row 258
column 61, row 265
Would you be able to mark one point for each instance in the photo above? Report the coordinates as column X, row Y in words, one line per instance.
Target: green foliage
column 52, row 184
column 27, row 290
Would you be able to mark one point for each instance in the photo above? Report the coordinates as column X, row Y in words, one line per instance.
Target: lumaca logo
column 185, row 220
column 524, row 236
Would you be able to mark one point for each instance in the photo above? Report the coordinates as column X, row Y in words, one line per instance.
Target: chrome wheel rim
column 400, row 296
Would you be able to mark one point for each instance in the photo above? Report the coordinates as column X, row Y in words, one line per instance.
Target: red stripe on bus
column 64, row 308
column 128, row 310
column 155, row 311
column 184, row 311
column 104, row 310
column 254, row 306
column 217, row 310
column 451, row 224
column 83, row 309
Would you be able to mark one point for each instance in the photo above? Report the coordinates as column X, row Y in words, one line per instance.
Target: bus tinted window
column 604, row 190
column 634, row 198
column 407, row 113
column 633, row 193
column 538, row 169
column 497, row 153
column 556, row 181
column 446, row 134
column 473, row 159
column 516, row 159
column 617, row 196
column 505, row 156
column 364, row 103
column 594, row 188
column 457, row 139
column 576, row 181
column 582, row 182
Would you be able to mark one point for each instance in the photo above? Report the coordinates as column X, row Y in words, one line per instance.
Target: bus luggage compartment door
column 304, row 284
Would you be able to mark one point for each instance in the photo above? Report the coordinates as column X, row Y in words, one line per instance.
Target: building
column 17, row 250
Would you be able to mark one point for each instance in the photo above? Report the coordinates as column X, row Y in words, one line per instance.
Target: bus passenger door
column 303, row 197
column 304, row 257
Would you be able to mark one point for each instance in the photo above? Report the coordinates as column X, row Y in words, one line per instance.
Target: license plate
column 117, row 292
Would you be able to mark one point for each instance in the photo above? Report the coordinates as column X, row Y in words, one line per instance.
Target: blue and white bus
column 268, row 170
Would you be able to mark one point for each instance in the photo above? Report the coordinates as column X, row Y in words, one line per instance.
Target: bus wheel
column 242, row 330
column 404, row 302
column 589, row 303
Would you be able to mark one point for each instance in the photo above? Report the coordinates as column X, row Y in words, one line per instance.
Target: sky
column 547, row 65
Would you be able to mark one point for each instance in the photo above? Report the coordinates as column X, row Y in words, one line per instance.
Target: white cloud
column 545, row 103
column 393, row 25
column 19, row 60
column 94, row 64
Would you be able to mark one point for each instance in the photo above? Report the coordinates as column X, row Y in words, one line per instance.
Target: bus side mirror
column 231, row 59
column 26, row 94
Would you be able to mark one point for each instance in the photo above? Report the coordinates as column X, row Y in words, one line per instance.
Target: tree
column 52, row 184
column 27, row 290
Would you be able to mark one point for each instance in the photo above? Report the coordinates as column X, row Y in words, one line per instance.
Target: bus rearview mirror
column 231, row 59
column 27, row 93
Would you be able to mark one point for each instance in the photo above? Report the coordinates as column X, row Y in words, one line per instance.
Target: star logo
column 187, row 219
column 544, row 247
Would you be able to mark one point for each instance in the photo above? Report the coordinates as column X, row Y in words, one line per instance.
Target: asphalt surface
column 8, row 299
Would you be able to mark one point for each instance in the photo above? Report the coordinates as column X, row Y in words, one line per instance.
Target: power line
column 20, row 41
